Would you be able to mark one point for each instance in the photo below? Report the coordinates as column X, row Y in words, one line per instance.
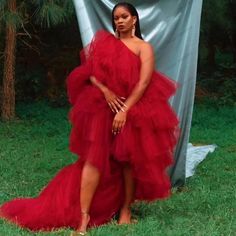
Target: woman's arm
column 114, row 102
column 147, row 67
column 98, row 84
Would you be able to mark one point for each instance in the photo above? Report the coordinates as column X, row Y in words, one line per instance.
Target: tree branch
column 34, row 48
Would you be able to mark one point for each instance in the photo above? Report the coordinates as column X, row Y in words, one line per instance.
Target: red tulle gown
column 146, row 142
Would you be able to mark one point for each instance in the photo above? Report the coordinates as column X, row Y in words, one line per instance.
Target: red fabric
column 146, row 142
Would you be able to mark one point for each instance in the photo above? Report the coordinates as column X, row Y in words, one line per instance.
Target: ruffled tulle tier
column 148, row 139
column 146, row 142
column 58, row 203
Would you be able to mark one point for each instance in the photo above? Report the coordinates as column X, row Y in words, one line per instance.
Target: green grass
column 35, row 147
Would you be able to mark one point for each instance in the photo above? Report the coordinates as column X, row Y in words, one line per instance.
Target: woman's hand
column 115, row 102
column 119, row 122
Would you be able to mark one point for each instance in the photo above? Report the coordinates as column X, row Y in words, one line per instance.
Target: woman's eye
column 123, row 17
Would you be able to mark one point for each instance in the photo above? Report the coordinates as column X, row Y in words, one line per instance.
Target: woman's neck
column 126, row 35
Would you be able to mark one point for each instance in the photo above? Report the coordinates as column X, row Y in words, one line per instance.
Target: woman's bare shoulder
column 145, row 48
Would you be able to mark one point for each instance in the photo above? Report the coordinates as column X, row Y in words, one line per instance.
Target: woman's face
column 123, row 20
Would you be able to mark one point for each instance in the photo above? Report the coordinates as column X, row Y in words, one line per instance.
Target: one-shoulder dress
column 146, row 142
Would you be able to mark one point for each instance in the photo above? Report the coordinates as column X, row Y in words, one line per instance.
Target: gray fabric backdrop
column 172, row 27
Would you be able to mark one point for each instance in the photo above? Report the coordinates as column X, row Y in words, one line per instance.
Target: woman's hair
column 132, row 10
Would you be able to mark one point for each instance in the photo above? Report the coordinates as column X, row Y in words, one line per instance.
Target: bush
column 220, row 84
column 30, row 84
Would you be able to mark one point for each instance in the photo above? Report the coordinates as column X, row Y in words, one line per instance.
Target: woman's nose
column 120, row 21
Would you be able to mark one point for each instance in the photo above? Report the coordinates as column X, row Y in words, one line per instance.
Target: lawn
column 35, row 146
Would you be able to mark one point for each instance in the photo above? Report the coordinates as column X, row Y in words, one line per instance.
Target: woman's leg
column 89, row 181
column 125, row 212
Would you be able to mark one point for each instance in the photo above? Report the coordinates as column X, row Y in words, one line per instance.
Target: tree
column 16, row 14
column 218, row 28
column 213, row 27
column 232, row 26
column 8, row 93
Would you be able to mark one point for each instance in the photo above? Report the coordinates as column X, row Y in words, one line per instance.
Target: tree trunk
column 8, row 95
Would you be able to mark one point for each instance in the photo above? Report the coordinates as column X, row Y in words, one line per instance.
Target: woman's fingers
column 115, row 106
column 120, row 126
column 121, row 103
column 117, row 126
column 116, row 103
column 112, row 109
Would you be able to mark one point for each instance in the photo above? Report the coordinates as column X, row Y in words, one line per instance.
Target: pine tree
column 13, row 15
column 8, row 91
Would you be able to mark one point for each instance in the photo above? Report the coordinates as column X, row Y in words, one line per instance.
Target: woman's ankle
column 125, row 215
column 126, row 209
column 85, row 218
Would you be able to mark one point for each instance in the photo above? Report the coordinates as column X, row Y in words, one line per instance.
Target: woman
column 123, row 130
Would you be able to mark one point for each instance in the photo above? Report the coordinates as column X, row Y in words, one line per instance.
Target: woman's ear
column 134, row 19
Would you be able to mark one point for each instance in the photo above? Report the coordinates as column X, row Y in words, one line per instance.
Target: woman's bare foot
column 125, row 216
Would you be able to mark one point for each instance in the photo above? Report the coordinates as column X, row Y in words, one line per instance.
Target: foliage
column 48, row 13
column 217, row 52
column 214, row 14
column 217, row 22
column 40, row 22
column 15, row 19
column 31, row 84
column 44, row 12
column 35, row 147
column 220, row 85
column 51, row 13
column 218, row 31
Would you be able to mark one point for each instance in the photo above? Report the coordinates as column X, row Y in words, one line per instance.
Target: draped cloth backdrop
column 172, row 27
